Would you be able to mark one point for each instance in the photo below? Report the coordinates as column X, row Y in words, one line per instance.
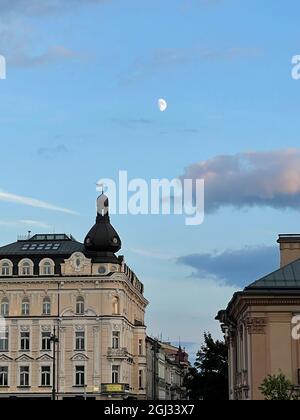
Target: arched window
column 4, row 307
column 116, row 305
column 80, row 306
column 26, row 268
column 47, row 306
column 46, row 267
column 25, row 307
column 6, row 267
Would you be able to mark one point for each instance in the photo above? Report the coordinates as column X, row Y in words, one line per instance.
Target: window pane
column 25, row 341
column 4, row 376
column 24, row 376
column 46, row 376
column 80, row 340
column 3, row 341
column 46, row 343
column 80, row 375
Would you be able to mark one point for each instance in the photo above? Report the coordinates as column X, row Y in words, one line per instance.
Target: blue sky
column 79, row 104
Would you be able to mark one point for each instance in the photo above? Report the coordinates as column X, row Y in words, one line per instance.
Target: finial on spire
column 100, row 187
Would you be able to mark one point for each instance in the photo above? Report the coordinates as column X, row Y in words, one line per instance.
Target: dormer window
column 46, row 267
column 26, row 268
column 6, row 268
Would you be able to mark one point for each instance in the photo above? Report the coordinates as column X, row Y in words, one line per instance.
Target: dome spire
column 102, row 237
column 102, row 205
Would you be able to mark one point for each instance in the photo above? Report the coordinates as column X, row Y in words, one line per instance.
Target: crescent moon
column 162, row 105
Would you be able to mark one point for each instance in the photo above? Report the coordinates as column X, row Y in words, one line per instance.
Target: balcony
column 121, row 353
column 114, row 388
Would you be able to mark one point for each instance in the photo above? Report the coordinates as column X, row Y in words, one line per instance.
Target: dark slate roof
column 56, row 244
column 287, row 277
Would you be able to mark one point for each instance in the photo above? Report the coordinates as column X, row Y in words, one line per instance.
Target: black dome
column 102, row 237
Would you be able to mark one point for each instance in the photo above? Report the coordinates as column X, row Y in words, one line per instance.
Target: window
column 3, row 376
column 141, row 348
column 5, row 269
column 25, row 341
column 24, row 376
column 3, row 341
column 46, row 267
column 4, row 308
column 25, row 269
column 80, row 306
column 46, row 342
column 46, row 306
column 115, row 374
column 140, row 379
column 80, row 376
column 115, row 340
column 46, row 376
column 25, row 307
column 80, row 340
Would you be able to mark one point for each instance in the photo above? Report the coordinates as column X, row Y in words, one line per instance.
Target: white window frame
column 80, row 301
column 29, row 375
column 4, row 303
column 46, row 262
column 46, row 304
column 80, row 339
column 27, row 340
column 26, row 312
column 42, row 340
column 6, row 264
column 8, row 378
column 41, row 375
column 29, row 267
column 116, row 339
column 6, row 332
column 118, row 372
column 77, row 365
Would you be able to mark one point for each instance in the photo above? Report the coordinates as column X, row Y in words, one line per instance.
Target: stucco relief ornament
column 46, row 328
column 77, row 261
column 256, row 325
column 79, row 327
column 25, row 328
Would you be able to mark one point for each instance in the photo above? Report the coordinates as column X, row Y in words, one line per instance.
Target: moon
column 162, row 105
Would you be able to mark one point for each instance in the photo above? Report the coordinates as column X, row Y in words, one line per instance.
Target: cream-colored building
column 258, row 325
column 87, row 297
column 167, row 367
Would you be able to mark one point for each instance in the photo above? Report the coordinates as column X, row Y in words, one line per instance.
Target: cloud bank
column 234, row 267
column 250, row 179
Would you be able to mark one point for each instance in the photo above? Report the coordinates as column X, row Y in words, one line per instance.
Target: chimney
column 289, row 248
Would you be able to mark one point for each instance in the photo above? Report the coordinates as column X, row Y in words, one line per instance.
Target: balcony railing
column 121, row 353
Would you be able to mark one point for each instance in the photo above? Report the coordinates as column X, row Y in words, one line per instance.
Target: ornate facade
column 167, row 367
column 258, row 325
column 53, row 288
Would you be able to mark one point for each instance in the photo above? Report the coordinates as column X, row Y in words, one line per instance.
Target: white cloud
column 32, row 202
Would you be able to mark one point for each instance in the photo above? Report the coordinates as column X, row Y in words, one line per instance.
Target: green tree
column 278, row 388
column 208, row 380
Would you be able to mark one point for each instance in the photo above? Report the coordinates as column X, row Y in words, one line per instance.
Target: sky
column 80, row 103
